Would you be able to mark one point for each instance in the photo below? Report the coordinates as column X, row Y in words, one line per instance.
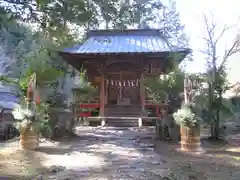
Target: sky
column 225, row 13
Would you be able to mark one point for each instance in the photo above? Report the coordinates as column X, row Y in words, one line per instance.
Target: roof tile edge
column 126, row 32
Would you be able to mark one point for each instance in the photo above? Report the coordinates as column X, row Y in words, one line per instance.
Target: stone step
column 122, row 123
column 124, row 114
column 123, row 109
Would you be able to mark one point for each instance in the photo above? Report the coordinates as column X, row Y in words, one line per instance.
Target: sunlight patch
column 75, row 161
column 233, row 149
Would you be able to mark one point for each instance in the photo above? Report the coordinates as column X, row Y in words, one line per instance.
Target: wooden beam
column 142, row 92
column 102, row 99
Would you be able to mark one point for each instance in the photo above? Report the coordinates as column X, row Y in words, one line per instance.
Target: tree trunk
column 217, row 125
column 213, row 135
column 216, row 129
column 211, row 116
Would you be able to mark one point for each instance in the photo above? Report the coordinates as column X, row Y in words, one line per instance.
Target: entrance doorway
column 123, row 89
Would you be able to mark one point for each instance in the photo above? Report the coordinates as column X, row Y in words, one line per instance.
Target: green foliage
column 158, row 88
column 83, row 89
column 230, row 109
column 185, row 116
column 86, row 91
column 57, row 16
column 6, row 17
column 32, row 52
column 8, row 80
column 43, row 119
column 36, row 118
column 57, row 100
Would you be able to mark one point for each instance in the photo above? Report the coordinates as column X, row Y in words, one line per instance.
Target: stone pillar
column 140, row 122
column 102, row 100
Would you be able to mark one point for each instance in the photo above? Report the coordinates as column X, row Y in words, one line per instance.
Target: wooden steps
column 130, row 112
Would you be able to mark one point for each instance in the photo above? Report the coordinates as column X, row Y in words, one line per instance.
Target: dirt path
column 217, row 162
column 115, row 154
column 98, row 153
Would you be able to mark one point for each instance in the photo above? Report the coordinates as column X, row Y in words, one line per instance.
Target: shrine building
column 118, row 61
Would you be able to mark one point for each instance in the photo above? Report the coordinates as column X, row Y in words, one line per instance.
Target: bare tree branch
column 212, row 41
column 225, row 28
column 232, row 50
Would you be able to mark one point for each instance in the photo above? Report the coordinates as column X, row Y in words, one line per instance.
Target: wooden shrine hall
column 117, row 61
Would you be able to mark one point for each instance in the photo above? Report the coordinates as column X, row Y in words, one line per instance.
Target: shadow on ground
column 20, row 164
column 101, row 153
column 215, row 163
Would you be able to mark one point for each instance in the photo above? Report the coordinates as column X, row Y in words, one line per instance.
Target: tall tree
column 216, row 64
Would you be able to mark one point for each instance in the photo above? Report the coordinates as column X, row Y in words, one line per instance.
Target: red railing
column 90, row 104
column 86, row 106
column 95, row 104
column 157, row 106
column 87, row 114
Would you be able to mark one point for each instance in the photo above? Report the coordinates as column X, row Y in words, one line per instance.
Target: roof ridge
column 126, row 32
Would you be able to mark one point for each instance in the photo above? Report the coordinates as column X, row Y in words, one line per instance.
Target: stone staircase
column 128, row 112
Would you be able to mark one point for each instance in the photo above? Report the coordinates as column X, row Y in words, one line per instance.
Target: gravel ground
column 105, row 153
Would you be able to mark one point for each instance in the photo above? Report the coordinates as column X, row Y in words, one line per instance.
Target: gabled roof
column 123, row 41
